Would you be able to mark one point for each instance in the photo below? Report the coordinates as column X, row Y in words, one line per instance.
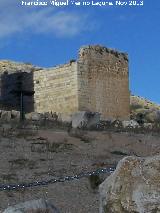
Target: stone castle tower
column 97, row 81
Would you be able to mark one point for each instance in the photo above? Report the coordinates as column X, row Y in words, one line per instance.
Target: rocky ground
column 28, row 155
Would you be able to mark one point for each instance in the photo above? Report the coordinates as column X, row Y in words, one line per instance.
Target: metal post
column 21, row 107
column 20, row 92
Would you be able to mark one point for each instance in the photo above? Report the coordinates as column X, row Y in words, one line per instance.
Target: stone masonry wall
column 11, row 74
column 56, row 89
column 97, row 81
column 103, row 82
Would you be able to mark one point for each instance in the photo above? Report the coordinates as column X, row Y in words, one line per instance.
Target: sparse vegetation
column 9, row 177
column 136, row 106
column 23, row 162
column 81, row 134
column 24, row 133
column 28, row 63
column 116, row 152
column 50, row 147
column 95, row 181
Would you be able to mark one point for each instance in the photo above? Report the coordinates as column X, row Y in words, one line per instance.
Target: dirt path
column 28, row 156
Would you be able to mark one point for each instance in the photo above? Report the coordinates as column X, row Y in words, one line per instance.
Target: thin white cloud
column 15, row 18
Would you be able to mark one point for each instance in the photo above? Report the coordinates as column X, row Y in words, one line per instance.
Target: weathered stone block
column 6, row 115
column 34, row 116
column 133, row 187
column 85, row 119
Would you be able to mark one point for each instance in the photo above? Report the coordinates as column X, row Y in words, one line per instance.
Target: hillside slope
column 141, row 107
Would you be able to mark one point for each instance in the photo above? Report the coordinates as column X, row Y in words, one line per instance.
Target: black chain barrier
column 55, row 180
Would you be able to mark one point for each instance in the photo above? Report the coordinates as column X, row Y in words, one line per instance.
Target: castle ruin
column 97, row 81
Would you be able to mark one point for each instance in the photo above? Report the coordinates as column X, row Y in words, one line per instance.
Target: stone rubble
column 80, row 119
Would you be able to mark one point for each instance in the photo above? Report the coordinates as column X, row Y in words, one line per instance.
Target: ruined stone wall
column 56, row 89
column 10, row 73
column 103, row 82
column 97, row 82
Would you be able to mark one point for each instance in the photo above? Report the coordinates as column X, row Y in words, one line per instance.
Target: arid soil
column 30, row 155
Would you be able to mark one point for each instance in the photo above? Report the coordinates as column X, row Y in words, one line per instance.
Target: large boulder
column 34, row 116
column 5, row 115
column 134, row 187
column 33, row 206
column 62, row 117
column 85, row 119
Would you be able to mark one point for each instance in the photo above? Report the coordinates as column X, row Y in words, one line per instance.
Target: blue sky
column 47, row 36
